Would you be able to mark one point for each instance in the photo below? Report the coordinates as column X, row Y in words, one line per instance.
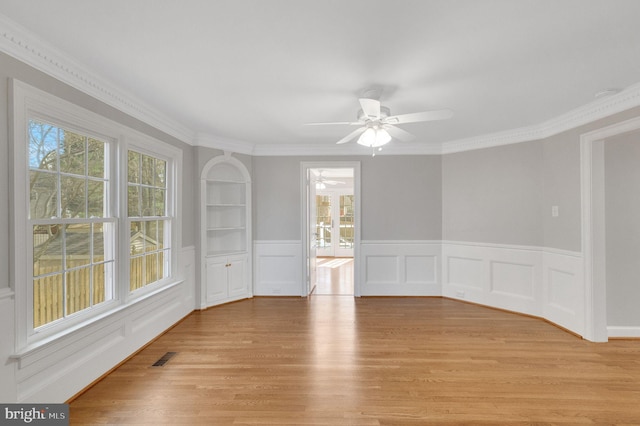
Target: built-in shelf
column 226, row 225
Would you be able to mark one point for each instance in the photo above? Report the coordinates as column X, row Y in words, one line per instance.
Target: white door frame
column 304, row 172
column 593, row 225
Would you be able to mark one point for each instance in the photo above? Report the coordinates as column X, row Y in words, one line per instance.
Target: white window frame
column 27, row 102
column 173, row 157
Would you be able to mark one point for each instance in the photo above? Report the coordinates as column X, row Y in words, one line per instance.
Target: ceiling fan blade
column 336, row 123
column 371, row 108
column 334, row 182
column 398, row 133
column 440, row 114
column 351, row 135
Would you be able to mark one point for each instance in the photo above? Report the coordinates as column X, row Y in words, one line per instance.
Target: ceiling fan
column 322, row 182
column 377, row 126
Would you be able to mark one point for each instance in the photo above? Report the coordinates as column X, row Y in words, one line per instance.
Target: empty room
column 320, row 213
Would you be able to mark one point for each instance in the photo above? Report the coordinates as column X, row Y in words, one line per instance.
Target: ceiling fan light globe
column 374, row 137
column 368, row 137
column 382, row 137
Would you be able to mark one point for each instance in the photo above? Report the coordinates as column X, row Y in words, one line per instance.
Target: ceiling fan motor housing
column 384, row 113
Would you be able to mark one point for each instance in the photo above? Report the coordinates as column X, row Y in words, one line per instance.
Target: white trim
column 23, row 45
column 277, row 267
column 623, row 332
column 592, row 228
column 6, row 293
column 305, row 166
column 225, row 144
column 27, row 101
column 400, row 268
column 517, row 247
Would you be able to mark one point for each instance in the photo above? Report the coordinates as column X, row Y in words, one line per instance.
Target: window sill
column 68, row 333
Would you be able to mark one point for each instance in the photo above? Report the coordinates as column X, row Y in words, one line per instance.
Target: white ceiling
column 257, row 70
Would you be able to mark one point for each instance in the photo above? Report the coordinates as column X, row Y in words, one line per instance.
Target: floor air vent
column 163, row 360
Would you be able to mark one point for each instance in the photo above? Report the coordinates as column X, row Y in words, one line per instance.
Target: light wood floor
column 337, row 360
column 334, row 276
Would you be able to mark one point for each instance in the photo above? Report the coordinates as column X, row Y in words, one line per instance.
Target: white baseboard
column 623, row 332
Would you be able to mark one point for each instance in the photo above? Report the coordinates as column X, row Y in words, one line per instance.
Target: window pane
column 99, row 282
column 98, row 236
column 151, row 268
column 161, row 266
column 133, row 167
column 72, row 153
column 133, row 201
column 95, row 198
column 160, row 238
column 147, row 201
column 137, row 238
column 161, row 174
column 44, row 195
column 148, row 170
column 136, row 267
column 47, row 300
column 159, row 202
column 72, row 197
column 77, row 245
column 95, row 163
column 151, row 236
column 78, row 286
column 47, row 249
column 43, row 146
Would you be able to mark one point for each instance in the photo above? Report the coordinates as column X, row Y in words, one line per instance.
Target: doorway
column 331, row 227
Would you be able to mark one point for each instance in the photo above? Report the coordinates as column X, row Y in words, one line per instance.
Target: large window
column 95, row 215
column 149, row 222
column 72, row 232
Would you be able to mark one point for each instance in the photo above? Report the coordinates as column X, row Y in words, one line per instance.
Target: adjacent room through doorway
column 332, row 219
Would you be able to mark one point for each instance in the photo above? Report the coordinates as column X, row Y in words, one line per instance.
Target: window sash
column 29, row 103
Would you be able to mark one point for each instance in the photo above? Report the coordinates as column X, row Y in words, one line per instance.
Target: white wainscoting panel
column 506, row 277
column 400, row 268
column 546, row 283
column 563, row 289
column 59, row 369
column 277, row 268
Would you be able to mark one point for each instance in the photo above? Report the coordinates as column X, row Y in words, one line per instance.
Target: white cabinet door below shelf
column 237, row 276
column 217, row 288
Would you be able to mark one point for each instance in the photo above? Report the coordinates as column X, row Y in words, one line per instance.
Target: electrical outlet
column 460, row 294
column 555, row 212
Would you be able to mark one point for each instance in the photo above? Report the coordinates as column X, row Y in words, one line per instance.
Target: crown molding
column 224, row 144
column 588, row 113
column 21, row 44
column 344, row 150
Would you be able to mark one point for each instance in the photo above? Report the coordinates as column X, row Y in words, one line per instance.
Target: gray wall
column 561, row 172
column 401, row 197
column 622, row 229
column 11, row 68
column 494, row 195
